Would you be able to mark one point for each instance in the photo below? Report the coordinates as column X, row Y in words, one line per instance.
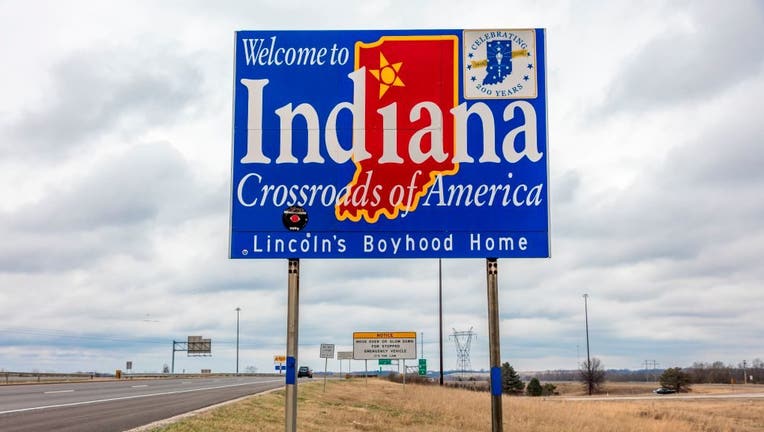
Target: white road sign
column 327, row 351
column 384, row 345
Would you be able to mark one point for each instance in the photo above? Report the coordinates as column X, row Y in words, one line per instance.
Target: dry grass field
column 352, row 405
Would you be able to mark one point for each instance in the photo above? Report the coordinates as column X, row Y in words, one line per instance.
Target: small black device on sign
column 294, row 218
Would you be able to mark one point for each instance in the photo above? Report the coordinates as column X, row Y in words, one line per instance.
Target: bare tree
column 592, row 375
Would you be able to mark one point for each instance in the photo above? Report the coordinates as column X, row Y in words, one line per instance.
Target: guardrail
column 25, row 377
column 49, row 377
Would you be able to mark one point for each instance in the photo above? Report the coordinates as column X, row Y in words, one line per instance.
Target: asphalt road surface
column 116, row 405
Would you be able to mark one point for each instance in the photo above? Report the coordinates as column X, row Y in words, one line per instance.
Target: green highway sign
column 422, row 367
column 385, row 362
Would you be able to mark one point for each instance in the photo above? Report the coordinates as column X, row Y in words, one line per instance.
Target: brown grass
column 384, row 406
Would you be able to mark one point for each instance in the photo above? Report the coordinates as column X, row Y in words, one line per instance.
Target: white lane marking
column 140, row 386
column 58, row 391
column 134, row 397
column 168, row 421
column 186, row 382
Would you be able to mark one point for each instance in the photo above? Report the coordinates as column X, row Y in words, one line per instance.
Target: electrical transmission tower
column 463, row 340
column 648, row 374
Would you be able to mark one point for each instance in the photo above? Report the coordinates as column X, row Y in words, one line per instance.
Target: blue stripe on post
column 291, row 371
column 496, row 381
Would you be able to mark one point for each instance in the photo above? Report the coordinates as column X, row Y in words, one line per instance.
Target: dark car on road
column 664, row 390
column 304, row 371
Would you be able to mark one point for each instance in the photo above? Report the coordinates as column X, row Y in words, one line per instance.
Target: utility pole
column 588, row 357
column 237, row 340
column 745, row 375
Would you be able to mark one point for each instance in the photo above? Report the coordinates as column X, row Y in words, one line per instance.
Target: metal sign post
column 440, row 316
column 326, row 352
column 291, row 351
column 492, row 270
column 344, row 355
column 195, row 346
column 326, row 361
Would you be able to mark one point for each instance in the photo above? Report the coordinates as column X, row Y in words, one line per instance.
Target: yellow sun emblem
column 387, row 75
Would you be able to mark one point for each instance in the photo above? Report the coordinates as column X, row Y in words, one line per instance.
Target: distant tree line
column 700, row 373
column 719, row 373
column 592, row 375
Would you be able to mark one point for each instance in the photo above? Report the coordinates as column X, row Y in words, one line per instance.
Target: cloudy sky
column 115, row 155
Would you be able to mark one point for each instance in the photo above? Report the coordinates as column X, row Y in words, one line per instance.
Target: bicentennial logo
column 499, row 64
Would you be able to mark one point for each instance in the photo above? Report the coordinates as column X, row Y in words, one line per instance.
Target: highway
column 105, row 406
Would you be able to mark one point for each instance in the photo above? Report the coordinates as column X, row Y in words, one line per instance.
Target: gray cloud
column 702, row 196
column 105, row 90
column 716, row 49
column 113, row 209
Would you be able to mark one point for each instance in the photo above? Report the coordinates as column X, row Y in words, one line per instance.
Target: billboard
column 390, row 144
column 384, row 345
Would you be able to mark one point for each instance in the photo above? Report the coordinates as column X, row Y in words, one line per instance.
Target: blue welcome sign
column 390, row 144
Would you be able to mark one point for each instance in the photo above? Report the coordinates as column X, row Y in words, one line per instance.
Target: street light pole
column 588, row 358
column 237, row 340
